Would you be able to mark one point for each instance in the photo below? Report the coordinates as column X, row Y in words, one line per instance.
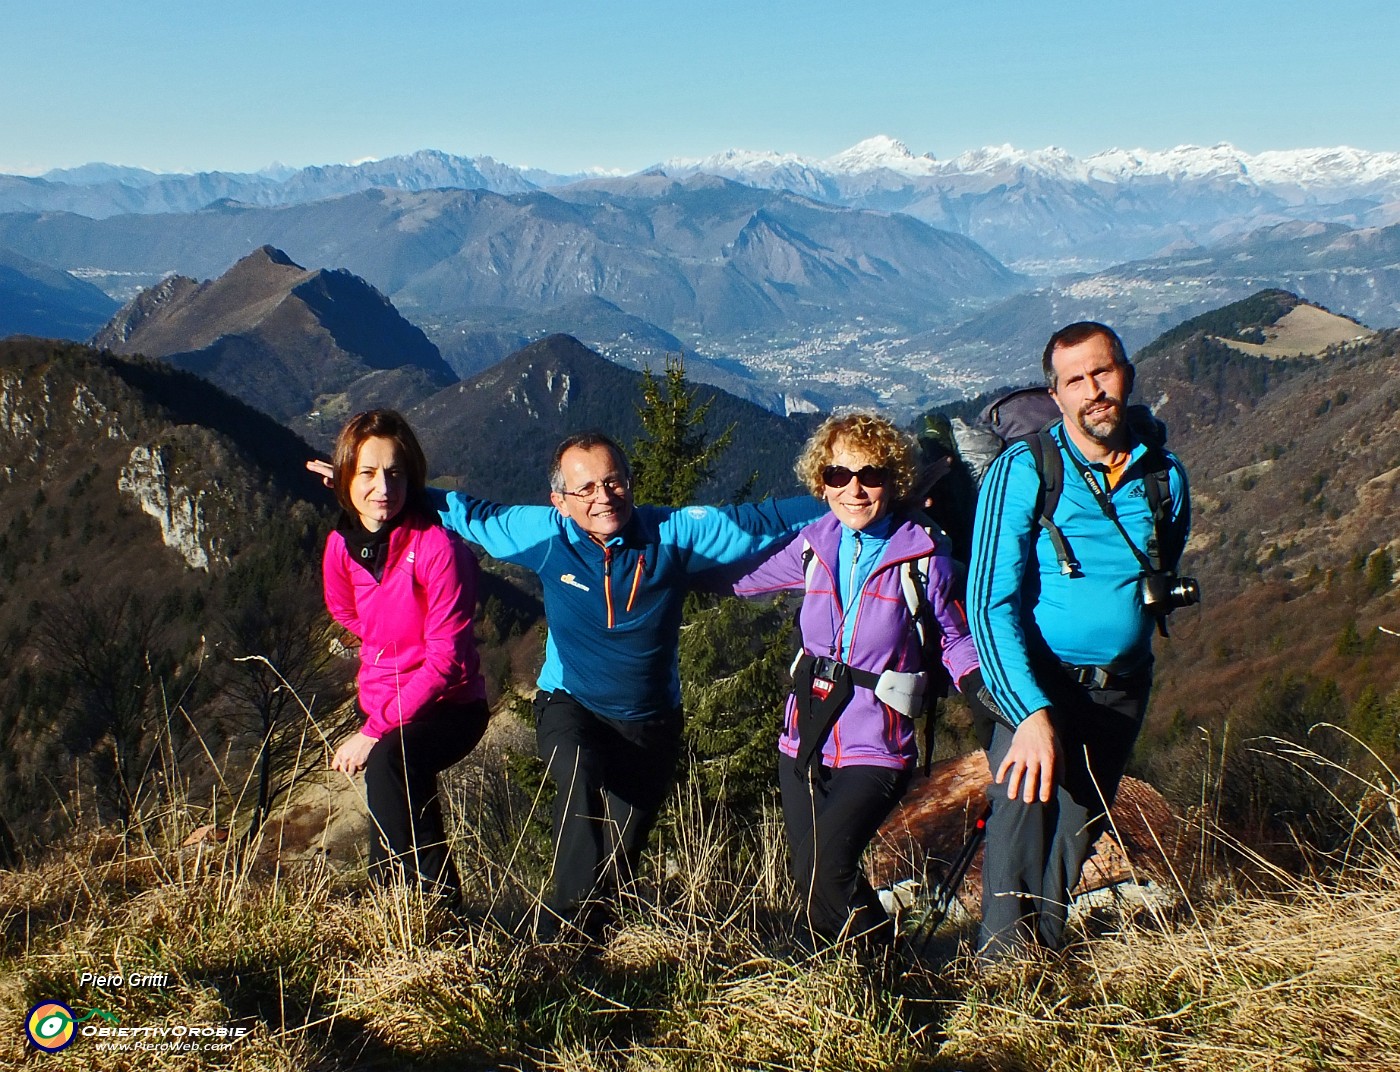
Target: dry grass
column 1308, row 980
column 1304, row 331
column 699, row 974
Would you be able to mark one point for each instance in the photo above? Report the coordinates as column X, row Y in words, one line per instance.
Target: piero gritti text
column 135, row 980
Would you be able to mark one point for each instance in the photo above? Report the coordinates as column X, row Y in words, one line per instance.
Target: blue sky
column 625, row 83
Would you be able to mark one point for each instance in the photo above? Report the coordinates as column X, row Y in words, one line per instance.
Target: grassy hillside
column 317, row 971
column 1294, row 467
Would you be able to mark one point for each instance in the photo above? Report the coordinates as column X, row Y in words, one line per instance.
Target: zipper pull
column 851, row 592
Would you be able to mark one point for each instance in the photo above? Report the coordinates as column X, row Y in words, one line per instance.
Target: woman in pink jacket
column 407, row 589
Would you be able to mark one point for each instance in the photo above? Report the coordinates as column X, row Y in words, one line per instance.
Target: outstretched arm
column 779, row 569
column 713, row 536
column 519, row 534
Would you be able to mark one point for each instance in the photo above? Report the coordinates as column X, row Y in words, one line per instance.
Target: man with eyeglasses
column 608, row 710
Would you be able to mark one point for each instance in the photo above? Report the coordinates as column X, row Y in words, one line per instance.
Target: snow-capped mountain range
column 1042, row 211
column 863, row 276
column 1046, row 211
column 1341, row 167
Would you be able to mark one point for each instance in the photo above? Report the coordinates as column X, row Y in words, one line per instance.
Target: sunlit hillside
column 303, row 966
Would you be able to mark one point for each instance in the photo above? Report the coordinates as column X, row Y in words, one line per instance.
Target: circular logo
column 50, row 1026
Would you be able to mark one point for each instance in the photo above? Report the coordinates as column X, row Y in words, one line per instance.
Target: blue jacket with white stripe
column 614, row 609
column 1023, row 610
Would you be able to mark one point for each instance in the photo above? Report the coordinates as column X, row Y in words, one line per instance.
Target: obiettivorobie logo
column 51, row 1025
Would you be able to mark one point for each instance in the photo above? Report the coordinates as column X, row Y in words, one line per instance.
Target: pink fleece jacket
column 415, row 625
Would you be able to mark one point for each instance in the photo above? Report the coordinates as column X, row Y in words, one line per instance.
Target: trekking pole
column 941, row 900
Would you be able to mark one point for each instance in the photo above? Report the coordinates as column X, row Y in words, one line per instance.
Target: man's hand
column 353, row 753
column 323, row 470
column 1031, row 760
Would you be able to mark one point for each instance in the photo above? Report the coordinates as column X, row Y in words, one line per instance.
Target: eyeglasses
column 612, row 485
column 870, row 476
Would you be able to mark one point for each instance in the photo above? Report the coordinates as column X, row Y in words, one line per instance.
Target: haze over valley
column 874, row 276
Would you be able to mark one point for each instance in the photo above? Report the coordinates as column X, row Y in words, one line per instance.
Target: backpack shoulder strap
column 1050, row 467
column 913, row 583
column 809, row 565
column 1156, row 483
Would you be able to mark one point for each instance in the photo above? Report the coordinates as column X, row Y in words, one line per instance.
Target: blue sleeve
column 519, row 534
column 1003, row 539
column 711, row 536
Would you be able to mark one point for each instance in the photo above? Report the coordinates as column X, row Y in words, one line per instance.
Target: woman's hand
column 353, row 753
column 323, row 470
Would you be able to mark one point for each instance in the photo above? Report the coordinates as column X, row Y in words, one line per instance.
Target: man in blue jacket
column 608, row 711
column 1066, row 639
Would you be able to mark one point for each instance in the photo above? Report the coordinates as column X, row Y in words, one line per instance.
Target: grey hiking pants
column 1034, row 852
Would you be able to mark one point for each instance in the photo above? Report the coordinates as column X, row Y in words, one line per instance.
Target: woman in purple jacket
column 407, row 589
column 848, row 745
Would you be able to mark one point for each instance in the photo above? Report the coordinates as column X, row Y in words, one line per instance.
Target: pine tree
column 733, row 656
column 675, row 453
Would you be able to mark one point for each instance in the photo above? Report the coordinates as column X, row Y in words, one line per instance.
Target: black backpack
column 1025, row 415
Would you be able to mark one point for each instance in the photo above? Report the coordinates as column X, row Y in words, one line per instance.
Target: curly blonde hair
column 866, row 434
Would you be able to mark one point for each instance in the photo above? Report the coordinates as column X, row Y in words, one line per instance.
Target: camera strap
column 821, row 688
column 1151, row 560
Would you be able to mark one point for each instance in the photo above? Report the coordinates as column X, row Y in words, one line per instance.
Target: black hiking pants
column 407, row 836
column 830, row 819
column 1034, row 852
column 611, row 776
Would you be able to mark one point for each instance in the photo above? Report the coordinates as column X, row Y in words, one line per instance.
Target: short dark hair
column 377, row 424
column 1073, row 335
column 585, row 441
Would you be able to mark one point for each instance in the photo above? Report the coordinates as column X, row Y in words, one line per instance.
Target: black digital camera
column 1163, row 592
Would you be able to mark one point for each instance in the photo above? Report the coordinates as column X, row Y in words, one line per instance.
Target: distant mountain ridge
column 1027, row 207
column 1341, row 166
column 698, row 255
column 311, row 347
column 496, row 432
column 101, row 190
column 1048, row 207
column 38, row 300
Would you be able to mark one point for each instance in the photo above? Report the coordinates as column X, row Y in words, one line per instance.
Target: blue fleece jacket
column 614, row 610
column 1022, row 608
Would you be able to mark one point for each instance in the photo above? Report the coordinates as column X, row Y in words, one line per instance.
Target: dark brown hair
column 1073, row 335
column 377, row 424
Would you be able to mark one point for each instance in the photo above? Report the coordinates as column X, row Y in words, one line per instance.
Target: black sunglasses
column 870, row 476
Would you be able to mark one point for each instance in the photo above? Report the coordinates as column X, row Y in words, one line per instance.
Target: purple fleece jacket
column 869, row 732
column 414, row 625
